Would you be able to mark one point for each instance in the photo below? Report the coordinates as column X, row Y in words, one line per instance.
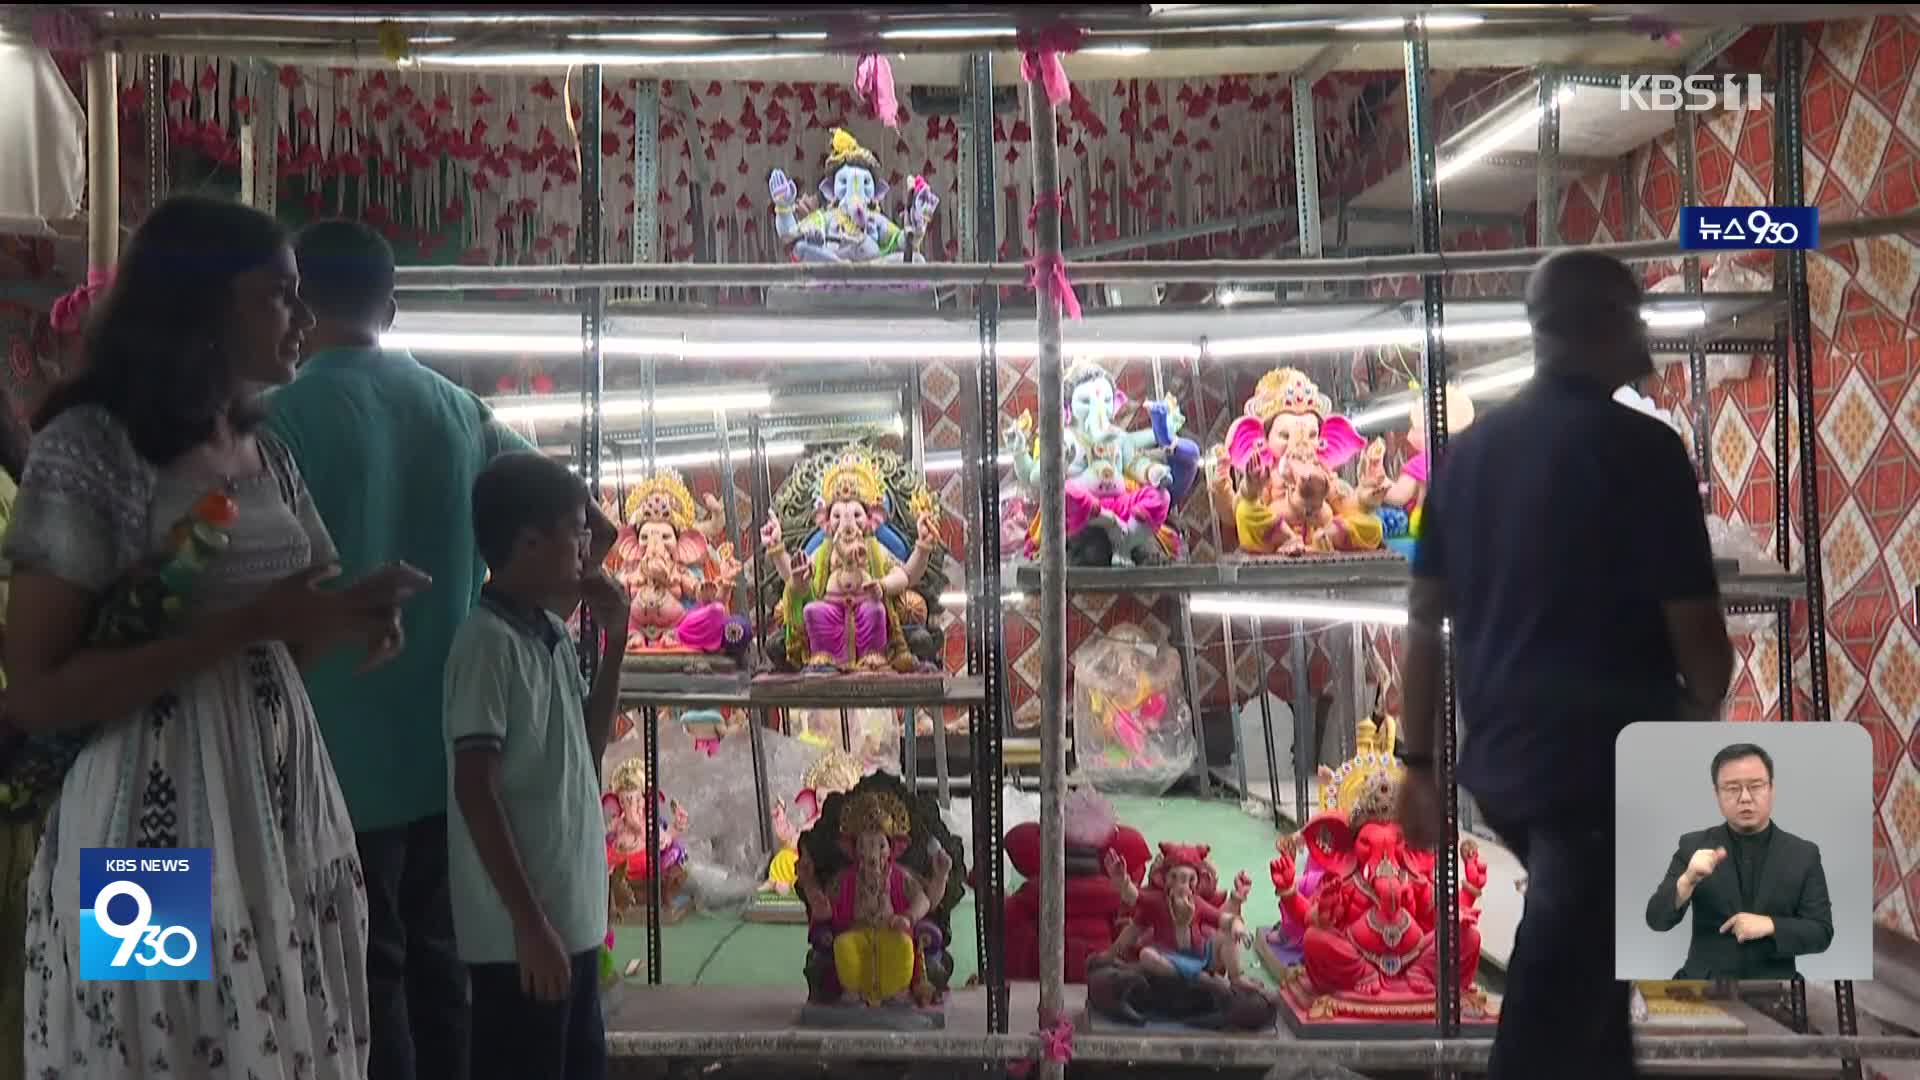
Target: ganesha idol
column 1358, row 939
column 629, row 864
column 845, row 605
column 1178, row 958
column 849, row 227
column 1276, row 479
column 681, row 579
column 878, row 873
column 1121, row 485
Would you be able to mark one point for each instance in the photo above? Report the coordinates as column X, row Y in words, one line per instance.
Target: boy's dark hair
column 1738, row 751
column 346, row 270
column 156, row 356
column 519, row 491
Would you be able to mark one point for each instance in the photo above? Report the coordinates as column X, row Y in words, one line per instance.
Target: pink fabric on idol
column 1416, row 467
column 703, row 629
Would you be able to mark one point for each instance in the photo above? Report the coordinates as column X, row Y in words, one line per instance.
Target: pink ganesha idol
column 1358, row 934
column 680, row 578
column 1275, row 478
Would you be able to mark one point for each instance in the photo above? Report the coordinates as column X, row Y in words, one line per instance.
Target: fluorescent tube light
column 1116, row 50
column 1431, row 22
column 555, row 407
column 1318, row 610
column 942, row 464
column 947, row 33
column 959, row 599
column 553, row 60
column 1525, row 120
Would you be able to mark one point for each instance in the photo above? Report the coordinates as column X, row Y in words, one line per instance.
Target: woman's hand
column 298, row 611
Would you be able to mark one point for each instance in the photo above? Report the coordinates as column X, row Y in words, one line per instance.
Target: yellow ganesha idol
column 1275, row 478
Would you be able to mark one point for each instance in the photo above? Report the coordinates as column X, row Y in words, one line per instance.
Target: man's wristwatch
column 1414, row 759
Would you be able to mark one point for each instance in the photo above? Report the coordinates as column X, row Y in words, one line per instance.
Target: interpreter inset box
column 1743, row 851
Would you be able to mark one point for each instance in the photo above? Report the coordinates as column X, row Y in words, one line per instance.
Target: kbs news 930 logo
column 1749, row 228
column 146, row 914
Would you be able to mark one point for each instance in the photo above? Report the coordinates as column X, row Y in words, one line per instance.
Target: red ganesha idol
column 1368, row 938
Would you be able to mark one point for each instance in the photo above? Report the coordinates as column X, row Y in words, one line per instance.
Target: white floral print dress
column 231, row 760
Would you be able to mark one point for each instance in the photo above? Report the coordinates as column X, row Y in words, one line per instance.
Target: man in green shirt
column 390, row 450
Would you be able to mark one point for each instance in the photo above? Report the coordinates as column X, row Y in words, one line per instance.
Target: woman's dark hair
column 154, row 355
column 518, row 491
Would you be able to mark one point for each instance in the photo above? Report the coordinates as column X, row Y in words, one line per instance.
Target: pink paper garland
column 873, row 80
column 70, row 311
column 1040, row 59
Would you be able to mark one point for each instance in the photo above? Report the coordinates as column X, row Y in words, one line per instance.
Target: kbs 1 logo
column 1691, row 93
column 146, row 914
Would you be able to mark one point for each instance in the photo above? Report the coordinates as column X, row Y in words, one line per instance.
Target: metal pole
column 1547, row 163
column 153, row 117
column 1426, row 207
column 1304, row 714
column 1264, row 668
column 593, row 319
column 103, row 162
column 1433, row 263
column 646, row 177
column 1789, row 49
column 1052, row 600
column 1686, row 159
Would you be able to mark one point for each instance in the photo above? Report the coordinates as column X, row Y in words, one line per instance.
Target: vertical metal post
column 1426, row 212
column 1265, row 670
column 1304, row 758
column 103, row 161
column 259, row 139
column 593, row 317
column 1189, row 659
column 1629, row 198
column 650, row 745
column 1226, row 624
column 153, row 88
column 1790, row 168
column 1306, row 166
column 646, row 182
column 1547, row 162
column 1686, row 160
column 1052, row 600
column 986, row 721
column 760, row 488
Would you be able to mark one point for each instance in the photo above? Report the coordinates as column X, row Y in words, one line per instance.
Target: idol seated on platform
column 878, row 872
column 1120, row 486
column 857, row 596
column 1275, row 481
column 681, row 576
column 1363, row 946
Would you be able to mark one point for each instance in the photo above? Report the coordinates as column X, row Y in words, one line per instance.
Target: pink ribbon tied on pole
column 1040, row 58
column 873, row 80
column 1056, row 1045
column 70, row 311
column 1047, row 274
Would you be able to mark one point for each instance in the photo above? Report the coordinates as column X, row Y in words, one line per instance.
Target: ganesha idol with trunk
column 1121, row 486
column 1276, row 480
column 1357, row 944
column 845, row 223
column 681, row 577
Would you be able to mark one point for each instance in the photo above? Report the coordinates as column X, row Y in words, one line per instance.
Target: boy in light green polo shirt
column 526, row 840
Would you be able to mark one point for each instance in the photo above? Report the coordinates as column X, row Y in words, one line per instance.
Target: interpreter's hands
column 1704, row 863
column 1419, row 809
column 1745, row 927
column 298, row 609
column 545, row 972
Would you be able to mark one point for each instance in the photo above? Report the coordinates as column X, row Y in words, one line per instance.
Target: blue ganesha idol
column 1121, row 485
column 846, row 223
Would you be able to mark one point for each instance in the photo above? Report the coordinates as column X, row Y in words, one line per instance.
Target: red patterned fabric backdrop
column 1862, row 125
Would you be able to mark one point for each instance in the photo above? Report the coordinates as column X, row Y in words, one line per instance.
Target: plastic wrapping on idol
column 1131, row 728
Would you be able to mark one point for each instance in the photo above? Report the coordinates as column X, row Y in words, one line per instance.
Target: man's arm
column 1668, row 904
column 603, row 701
column 1810, row 928
column 1677, row 552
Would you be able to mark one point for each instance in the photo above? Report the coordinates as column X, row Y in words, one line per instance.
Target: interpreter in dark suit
column 1758, row 892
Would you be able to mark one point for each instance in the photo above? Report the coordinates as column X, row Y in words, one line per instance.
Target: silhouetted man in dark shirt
column 1564, row 541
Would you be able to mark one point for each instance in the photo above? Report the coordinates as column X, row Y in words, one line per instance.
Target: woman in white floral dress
column 204, row 738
